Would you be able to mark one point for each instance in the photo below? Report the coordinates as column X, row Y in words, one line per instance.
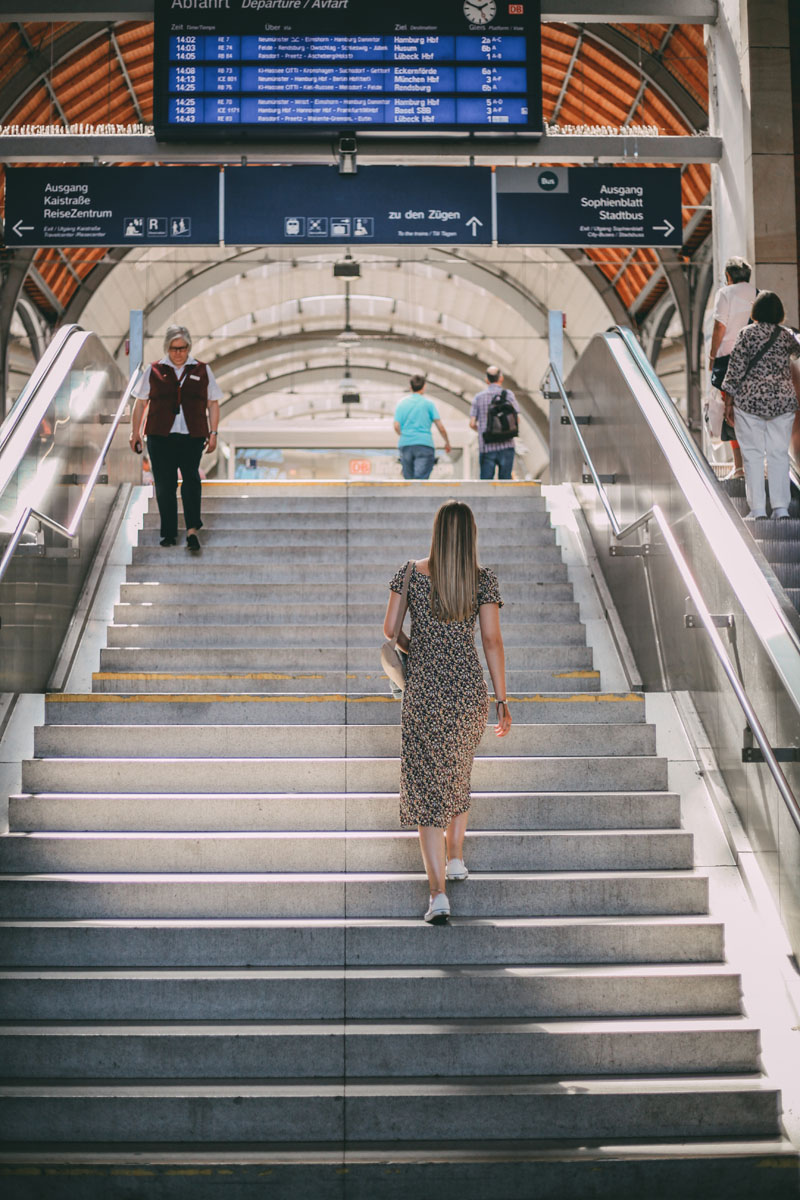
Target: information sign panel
column 318, row 206
column 112, row 206
column 250, row 68
column 589, row 206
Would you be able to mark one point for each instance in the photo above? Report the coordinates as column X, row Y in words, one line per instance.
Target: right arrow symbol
column 667, row 227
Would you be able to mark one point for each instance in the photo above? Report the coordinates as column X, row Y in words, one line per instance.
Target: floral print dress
column 445, row 705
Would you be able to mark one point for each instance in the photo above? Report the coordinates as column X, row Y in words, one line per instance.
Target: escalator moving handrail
column 656, row 514
column 40, row 372
column 69, row 531
column 698, row 461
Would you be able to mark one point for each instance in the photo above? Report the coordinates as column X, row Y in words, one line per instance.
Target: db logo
column 516, row 10
column 360, row 466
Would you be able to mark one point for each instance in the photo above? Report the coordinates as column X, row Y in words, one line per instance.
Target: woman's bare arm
column 393, row 609
column 489, row 617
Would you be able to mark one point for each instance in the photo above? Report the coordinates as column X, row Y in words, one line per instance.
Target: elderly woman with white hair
column 182, row 398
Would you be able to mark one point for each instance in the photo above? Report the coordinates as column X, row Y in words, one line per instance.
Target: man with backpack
column 494, row 414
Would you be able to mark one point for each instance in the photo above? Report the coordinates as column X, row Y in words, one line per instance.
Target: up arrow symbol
column 667, row 227
column 473, row 223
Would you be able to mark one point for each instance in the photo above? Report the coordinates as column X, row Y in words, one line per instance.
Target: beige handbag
column 391, row 661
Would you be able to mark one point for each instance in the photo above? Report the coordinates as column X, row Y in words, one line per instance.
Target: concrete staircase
column 211, row 923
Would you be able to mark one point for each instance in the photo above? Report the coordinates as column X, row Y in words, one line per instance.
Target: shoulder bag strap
column 757, row 357
column 404, row 603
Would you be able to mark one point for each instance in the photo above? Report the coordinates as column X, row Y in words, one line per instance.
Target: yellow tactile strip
column 317, row 698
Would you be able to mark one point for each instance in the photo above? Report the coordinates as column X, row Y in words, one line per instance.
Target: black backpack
column 502, row 422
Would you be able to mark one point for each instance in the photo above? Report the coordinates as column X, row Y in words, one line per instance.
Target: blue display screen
column 352, row 66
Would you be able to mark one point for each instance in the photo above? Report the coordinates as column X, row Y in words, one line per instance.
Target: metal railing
column 69, row 531
column 656, row 514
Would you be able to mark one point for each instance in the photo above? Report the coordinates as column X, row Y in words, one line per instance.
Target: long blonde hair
column 453, row 562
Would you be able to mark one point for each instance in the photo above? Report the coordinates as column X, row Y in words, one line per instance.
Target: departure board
column 239, row 69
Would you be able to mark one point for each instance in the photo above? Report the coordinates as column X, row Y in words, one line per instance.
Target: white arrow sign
column 19, row 228
column 667, row 227
column 473, row 223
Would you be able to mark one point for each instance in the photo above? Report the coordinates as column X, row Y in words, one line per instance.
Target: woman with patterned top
column 761, row 388
column 445, row 704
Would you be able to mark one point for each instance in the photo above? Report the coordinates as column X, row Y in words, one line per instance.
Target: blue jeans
column 502, row 459
column 417, row 461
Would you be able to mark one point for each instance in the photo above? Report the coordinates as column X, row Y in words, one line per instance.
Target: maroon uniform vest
column 168, row 397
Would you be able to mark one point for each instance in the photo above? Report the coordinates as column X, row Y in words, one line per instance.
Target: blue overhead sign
column 112, row 206
column 589, row 206
column 309, row 205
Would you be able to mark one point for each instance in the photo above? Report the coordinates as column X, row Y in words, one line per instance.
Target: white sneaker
column 456, row 869
column 756, row 516
column 781, row 514
column 438, row 910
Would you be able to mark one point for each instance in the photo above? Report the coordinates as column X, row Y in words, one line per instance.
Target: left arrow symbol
column 19, row 228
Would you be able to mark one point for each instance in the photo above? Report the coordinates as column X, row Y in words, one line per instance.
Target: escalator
column 722, row 629
column 778, row 541
column 65, row 472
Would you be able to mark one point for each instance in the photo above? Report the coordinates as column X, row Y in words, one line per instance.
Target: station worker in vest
column 491, row 455
column 413, row 419
column 182, row 399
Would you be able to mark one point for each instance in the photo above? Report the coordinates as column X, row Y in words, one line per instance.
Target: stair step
column 788, row 573
column 218, row 852
column 319, row 811
column 306, row 895
column 390, row 993
column 326, row 741
column 613, row 1170
column 397, row 1110
column 505, row 941
column 357, row 617
column 354, row 540
column 113, row 708
column 388, row 495
column 348, row 638
column 351, row 592
column 177, row 565
column 489, row 519
column 489, row 774
column 277, row 657
column 369, row 1049
column 379, row 558
column 307, row 683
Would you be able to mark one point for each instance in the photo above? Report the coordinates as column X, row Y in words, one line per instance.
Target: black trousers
column 169, row 454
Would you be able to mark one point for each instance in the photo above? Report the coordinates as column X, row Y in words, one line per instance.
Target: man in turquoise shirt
column 413, row 418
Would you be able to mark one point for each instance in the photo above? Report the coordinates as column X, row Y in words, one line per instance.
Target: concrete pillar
column 754, row 188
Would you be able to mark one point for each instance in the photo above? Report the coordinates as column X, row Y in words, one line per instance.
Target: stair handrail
column 69, row 531
column 655, row 513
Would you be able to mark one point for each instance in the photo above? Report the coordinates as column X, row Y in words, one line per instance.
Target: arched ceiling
column 267, row 318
